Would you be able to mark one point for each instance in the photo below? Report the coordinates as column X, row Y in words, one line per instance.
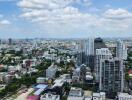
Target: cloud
column 5, row 22
column 61, row 16
column 84, row 2
column 116, row 21
column 53, row 11
column 47, row 4
column 117, row 14
column 51, row 4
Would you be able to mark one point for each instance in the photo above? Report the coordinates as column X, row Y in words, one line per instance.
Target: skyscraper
column 10, row 41
column 111, row 76
column 98, row 44
column 89, row 52
column 89, row 46
column 80, row 52
column 86, row 52
column 121, row 50
column 103, row 53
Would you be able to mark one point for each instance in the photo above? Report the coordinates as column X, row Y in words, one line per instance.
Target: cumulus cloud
column 117, row 14
column 117, row 20
column 54, row 16
column 53, row 11
column 47, row 4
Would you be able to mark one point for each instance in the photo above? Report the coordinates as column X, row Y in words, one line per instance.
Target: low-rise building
column 42, row 80
column 124, row 96
column 75, row 94
column 58, row 82
column 39, row 89
column 89, row 76
column 76, row 75
column 51, row 71
column 66, row 78
column 49, row 96
column 99, row 96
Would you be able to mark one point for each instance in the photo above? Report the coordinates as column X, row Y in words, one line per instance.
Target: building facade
column 124, row 96
column 121, row 50
column 86, row 52
column 111, row 76
column 103, row 53
column 51, row 71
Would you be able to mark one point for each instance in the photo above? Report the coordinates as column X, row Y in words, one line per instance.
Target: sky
column 65, row 18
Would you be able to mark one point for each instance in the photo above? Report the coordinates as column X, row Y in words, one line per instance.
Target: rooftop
column 77, row 92
column 41, row 88
column 49, row 96
column 124, row 95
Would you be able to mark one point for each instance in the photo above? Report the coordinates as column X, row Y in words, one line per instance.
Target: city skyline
column 65, row 18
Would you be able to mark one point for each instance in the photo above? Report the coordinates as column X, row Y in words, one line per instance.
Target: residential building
column 76, row 75
column 121, row 50
column 99, row 96
column 51, row 71
column 89, row 76
column 42, row 80
column 103, row 53
column 66, row 77
column 111, row 76
column 124, row 96
column 75, row 94
column 39, row 89
column 49, row 96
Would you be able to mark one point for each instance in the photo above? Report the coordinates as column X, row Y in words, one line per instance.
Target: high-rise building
column 0, row 41
column 111, row 76
column 89, row 46
column 10, row 41
column 89, row 52
column 80, row 52
column 121, row 50
column 86, row 52
column 98, row 44
column 103, row 53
